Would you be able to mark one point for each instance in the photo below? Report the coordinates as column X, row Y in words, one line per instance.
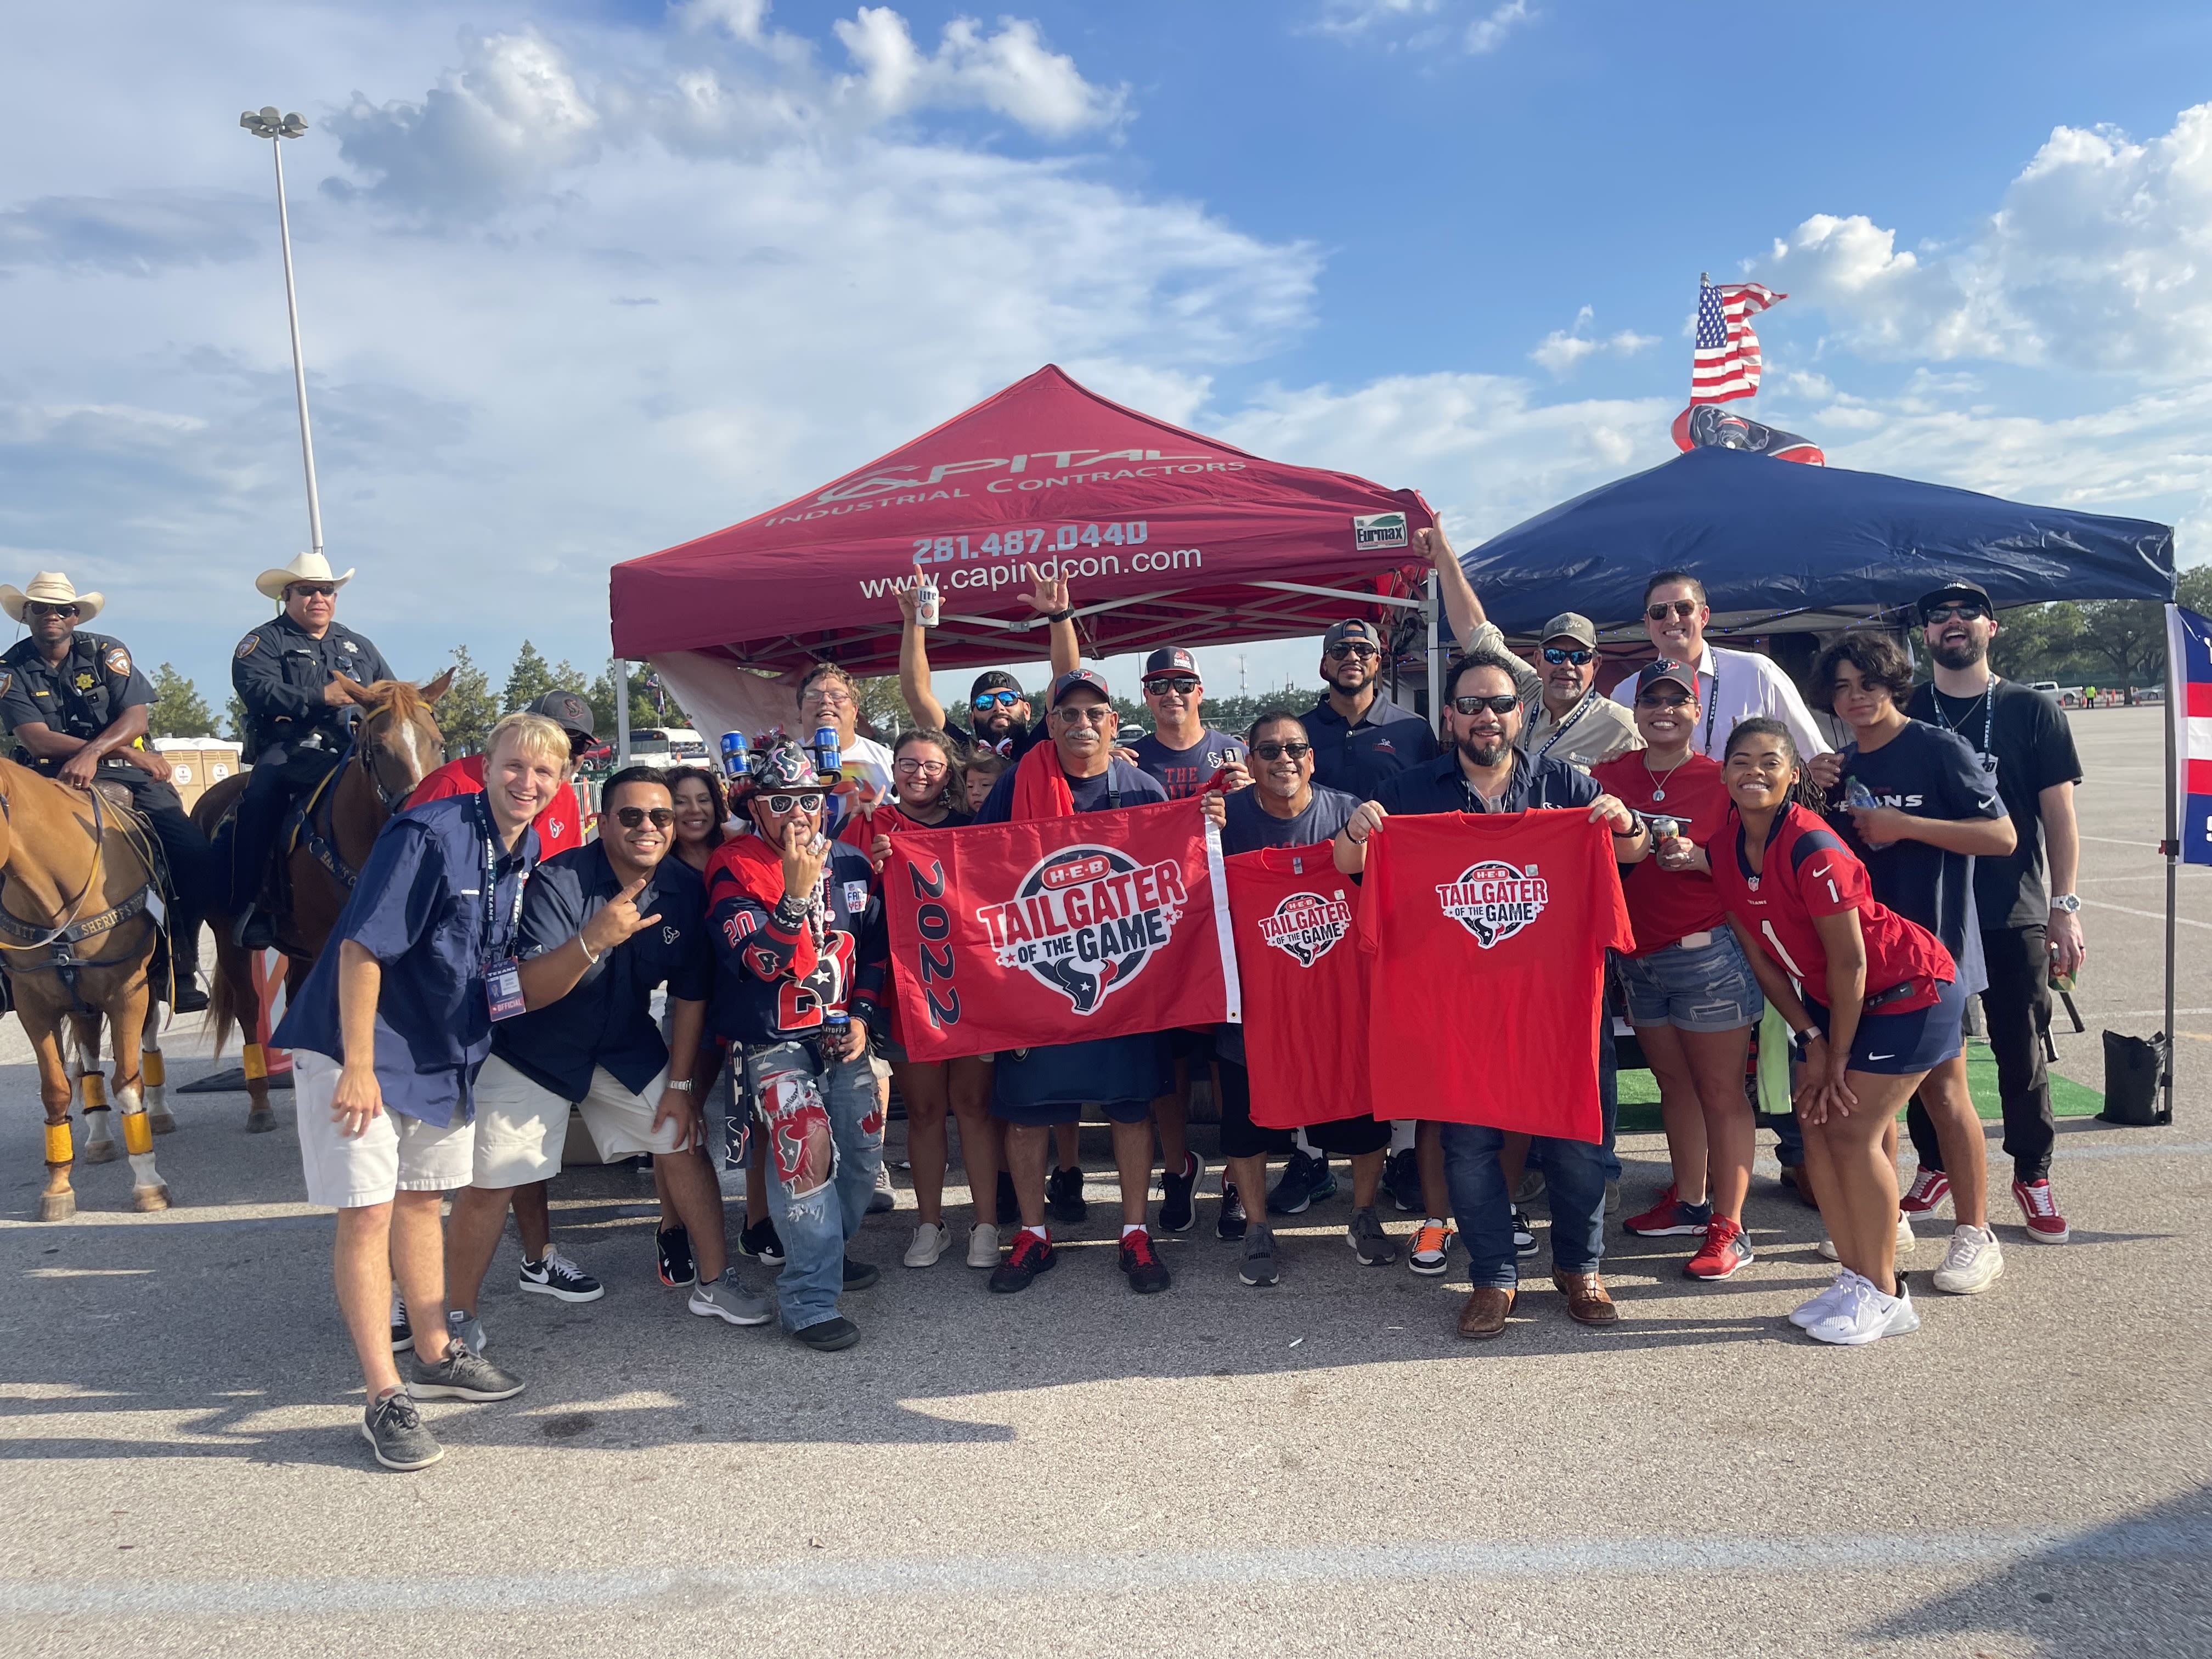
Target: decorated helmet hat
column 782, row 767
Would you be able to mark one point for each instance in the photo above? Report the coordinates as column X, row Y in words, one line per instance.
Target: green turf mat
column 1639, row 1093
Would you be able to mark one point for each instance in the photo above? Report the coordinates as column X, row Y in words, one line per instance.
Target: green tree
column 177, row 709
column 527, row 680
column 468, row 711
column 235, row 721
column 2123, row 640
column 883, row 711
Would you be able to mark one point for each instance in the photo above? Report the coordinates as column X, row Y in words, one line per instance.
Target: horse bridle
column 70, row 930
column 320, row 846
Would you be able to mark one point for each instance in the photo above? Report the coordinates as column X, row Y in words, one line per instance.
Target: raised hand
column 805, row 852
column 1430, row 543
column 617, row 920
column 1048, row 595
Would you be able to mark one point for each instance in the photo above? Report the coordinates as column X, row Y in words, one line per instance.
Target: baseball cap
column 1079, row 677
column 1569, row 625
column 1352, row 630
column 1681, row 673
column 1169, row 659
column 567, row 710
column 1950, row 591
column 995, row 679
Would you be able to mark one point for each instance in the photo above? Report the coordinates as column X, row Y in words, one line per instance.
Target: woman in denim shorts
column 1692, row 997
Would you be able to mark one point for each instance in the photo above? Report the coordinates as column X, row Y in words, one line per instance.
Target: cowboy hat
column 308, row 567
column 49, row 587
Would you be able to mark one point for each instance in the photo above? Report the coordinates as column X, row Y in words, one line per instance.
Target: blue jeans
column 1574, row 1178
column 825, row 1142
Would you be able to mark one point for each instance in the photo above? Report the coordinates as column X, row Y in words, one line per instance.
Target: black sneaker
column 1147, row 1272
column 1369, row 1242
column 1401, row 1179
column 828, row 1335
column 394, row 1430
column 402, row 1334
column 1524, row 1235
column 1259, row 1266
column 1030, row 1256
column 1230, row 1223
column 1177, row 1213
column 558, row 1276
column 1010, row 1206
column 859, row 1275
column 672, row 1245
column 1305, row 1179
column 760, row 1241
column 460, row 1376
column 1063, row 1196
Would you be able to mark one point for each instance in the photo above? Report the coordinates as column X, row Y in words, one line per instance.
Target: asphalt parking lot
column 1318, row 1469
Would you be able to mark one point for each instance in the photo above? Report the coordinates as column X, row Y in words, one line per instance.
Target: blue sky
column 582, row 280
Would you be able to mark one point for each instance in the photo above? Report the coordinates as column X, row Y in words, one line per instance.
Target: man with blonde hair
column 387, row 1034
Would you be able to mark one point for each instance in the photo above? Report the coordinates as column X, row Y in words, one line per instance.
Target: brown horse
column 396, row 743
column 76, row 933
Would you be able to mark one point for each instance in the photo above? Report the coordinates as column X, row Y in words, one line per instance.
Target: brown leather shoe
column 1793, row 1175
column 1587, row 1301
column 1483, row 1314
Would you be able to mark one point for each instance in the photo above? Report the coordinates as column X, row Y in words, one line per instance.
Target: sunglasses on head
column 1341, row 652
column 1273, row 750
column 1503, row 703
column 1555, row 655
column 631, row 817
column 1183, row 683
column 984, row 702
column 1964, row 609
column 1685, row 609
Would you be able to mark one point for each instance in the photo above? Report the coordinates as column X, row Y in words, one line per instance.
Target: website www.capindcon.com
column 990, row 577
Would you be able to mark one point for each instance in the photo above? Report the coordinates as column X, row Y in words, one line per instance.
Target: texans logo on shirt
column 1085, row 919
column 1493, row 900
column 1306, row 926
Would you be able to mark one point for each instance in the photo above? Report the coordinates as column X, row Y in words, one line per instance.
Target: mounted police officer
column 76, row 704
column 298, row 718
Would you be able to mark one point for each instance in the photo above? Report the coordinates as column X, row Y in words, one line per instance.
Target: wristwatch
column 2065, row 902
column 684, row 1085
column 1799, row 1041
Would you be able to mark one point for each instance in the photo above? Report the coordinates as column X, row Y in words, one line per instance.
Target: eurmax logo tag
column 1085, row 919
column 1379, row 530
column 1307, row 927
column 1493, row 901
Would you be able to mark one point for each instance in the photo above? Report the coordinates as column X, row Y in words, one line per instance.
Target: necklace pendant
column 1658, row 794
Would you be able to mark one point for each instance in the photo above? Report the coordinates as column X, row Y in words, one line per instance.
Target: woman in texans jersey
column 1871, row 998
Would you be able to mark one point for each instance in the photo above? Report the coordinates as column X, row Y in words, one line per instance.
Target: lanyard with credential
column 1989, row 702
column 502, row 976
column 1566, row 720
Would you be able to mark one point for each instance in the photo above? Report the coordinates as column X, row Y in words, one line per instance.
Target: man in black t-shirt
column 998, row 713
column 2030, row 918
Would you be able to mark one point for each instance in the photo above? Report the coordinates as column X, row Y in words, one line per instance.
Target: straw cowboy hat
column 308, row 567
column 49, row 587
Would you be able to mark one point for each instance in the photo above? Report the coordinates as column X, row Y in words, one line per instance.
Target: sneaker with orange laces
column 1724, row 1250
column 1147, row 1273
column 2040, row 1211
column 1432, row 1246
column 1928, row 1189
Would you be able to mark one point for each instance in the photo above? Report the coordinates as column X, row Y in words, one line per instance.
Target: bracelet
column 590, row 956
column 1060, row 615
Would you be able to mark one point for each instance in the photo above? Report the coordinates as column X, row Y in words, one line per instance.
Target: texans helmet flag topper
column 1708, row 426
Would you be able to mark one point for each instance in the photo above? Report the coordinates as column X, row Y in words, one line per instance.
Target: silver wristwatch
column 685, row 1085
column 2066, row 901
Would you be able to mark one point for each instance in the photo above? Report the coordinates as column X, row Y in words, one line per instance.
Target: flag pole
column 2177, row 674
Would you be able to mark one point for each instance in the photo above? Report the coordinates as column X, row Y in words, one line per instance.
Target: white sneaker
column 1810, row 1313
column 930, row 1240
column 983, row 1245
column 1973, row 1263
column 1906, row 1241
column 1867, row 1316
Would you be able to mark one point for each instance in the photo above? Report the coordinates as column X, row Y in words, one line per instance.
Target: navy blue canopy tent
column 1818, row 545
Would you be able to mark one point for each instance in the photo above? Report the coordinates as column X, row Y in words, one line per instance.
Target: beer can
column 928, row 604
column 836, row 1032
column 736, row 762
column 828, row 751
column 1664, row 828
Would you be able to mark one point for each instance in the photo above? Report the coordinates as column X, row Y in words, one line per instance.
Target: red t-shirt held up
column 559, row 826
column 1487, row 933
column 1808, row 873
column 1296, row 917
column 1667, row 905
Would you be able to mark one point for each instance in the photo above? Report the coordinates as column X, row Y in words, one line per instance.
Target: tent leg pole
column 622, row 713
column 2172, row 848
column 1436, row 663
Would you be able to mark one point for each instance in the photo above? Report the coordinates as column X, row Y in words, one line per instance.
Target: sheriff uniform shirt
column 1296, row 920
column 1488, row 934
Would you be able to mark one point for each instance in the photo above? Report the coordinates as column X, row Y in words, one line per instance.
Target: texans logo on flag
column 1306, row 926
column 1493, row 900
column 1085, row 919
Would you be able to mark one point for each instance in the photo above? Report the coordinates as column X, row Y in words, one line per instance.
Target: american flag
column 1725, row 364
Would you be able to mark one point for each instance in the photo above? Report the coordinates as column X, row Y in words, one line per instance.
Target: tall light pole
column 265, row 123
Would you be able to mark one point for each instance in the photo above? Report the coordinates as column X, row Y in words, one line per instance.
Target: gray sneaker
column 461, row 1375
column 885, row 1196
column 727, row 1298
column 1369, row 1242
column 1259, row 1266
column 466, row 1328
column 394, row 1430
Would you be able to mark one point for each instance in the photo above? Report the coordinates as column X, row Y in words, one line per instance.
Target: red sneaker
column 1670, row 1218
column 1723, row 1251
column 1928, row 1189
column 2040, row 1211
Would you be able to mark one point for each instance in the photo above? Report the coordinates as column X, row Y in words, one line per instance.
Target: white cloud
column 1563, row 350
column 1010, row 73
column 1425, row 25
column 1488, row 34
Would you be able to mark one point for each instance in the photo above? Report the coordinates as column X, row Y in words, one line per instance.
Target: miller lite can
column 829, row 753
column 736, row 764
column 928, row 604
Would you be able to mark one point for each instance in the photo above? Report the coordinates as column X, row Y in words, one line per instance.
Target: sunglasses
column 817, row 698
column 1183, row 684
column 1273, row 750
column 781, row 805
column 1092, row 714
column 925, row 769
column 1341, row 652
column 631, row 817
column 1555, row 656
column 1965, row 610
column 1685, row 609
column 984, row 702
column 317, row 590
column 1503, row 703
column 34, row 609
column 1654, row 700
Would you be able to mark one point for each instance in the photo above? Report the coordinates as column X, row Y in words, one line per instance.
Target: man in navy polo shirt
column 1485, row 773
column 387, row 1033
column 1359, row 736
column 603, row 926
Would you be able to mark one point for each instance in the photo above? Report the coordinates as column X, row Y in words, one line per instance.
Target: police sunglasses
column 1341, row 652
column 1182, row 684
column 1274, row 750
column 1685, row 609
column 1555, row 656
column 35, row 609
column 1503, row 703
column 631, row 817
column 319, row 590
column 1964, row 609
column 985, row 701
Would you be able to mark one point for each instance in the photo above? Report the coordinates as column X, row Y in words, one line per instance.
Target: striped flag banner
column 1725, row 363
column 2189, row 696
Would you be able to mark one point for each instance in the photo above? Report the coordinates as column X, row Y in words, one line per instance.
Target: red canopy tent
column 1165, row 535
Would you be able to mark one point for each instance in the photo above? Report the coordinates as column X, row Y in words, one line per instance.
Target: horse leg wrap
column 254, row 1063
column 137, row 1134
column 149, row 1062
column 95, row 1091
column 58, row 1148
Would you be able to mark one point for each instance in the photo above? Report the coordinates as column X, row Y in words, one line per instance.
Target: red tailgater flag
column 1059, row 930
column 1488, row 932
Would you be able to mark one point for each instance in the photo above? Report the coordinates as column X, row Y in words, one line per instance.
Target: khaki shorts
column 393, row 1153
column 521, row 1127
